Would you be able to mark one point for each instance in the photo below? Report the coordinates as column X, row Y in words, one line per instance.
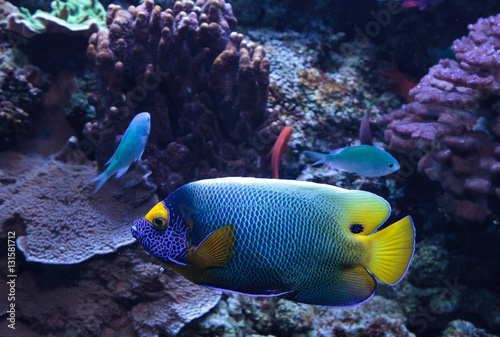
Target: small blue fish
column 363, row 160
column 130, row 149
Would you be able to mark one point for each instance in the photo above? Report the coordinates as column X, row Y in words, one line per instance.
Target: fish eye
column 160, row 223
column 391, row 165
column 356, row 228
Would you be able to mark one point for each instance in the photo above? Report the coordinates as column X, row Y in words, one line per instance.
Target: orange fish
column 279, row 149
column 404, row 82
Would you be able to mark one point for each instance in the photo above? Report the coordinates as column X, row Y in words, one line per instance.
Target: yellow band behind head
column 159, row 211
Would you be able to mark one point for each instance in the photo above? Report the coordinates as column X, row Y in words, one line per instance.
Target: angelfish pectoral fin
column 216, row 250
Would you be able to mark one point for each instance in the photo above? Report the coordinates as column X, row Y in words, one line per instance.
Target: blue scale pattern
column 287, row 239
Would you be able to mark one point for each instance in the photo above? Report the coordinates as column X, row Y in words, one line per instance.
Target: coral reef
column 39, row 110
column 238, row 315
column 453, row 127
column 20, row 100
column 459, row 328
column 6, row 8
column 72, row 17
column 474, row 77
column 324, row 101
column 13, row 121
column 203, row 84
column 63, row 222
column 24, row 87
column 122, row 294
column 218, row 102
column 450, row 278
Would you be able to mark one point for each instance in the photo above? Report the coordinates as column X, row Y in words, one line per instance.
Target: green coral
column 71, row 16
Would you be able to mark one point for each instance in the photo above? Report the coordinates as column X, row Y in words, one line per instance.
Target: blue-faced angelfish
column 130, row 149
column 363, row 160
column 306, row 242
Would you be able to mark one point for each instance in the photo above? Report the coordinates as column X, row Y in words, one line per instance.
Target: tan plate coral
column 64, row 222
column 73, row 17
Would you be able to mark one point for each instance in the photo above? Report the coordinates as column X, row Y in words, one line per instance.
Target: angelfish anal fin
column 216, row 250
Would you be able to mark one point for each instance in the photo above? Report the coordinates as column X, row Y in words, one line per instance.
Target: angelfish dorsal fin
column 216, row 250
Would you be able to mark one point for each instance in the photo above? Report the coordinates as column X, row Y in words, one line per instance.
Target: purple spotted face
column 163, row 234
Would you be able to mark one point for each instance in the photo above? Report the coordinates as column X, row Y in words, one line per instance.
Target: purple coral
column 476, row 75
column 205, row 87
column 453, row 127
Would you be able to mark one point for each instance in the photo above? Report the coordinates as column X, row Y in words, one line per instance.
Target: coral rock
column 13, row 121
column 448, row 124
column 205, row 87
column 63, row 222
column 72, row 17
column 476, row 75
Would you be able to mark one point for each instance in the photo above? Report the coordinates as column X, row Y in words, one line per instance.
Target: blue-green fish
column 306, row 242
column 130, row 149
column 363, row 160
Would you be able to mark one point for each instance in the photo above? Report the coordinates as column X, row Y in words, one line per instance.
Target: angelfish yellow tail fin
column 390, row 251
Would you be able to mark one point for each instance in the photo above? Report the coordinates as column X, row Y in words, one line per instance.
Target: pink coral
column 452, row 127
column 476, row 75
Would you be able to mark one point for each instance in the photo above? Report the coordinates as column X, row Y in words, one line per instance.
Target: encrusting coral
column 203, row 84
column 63, row 222
column 71, row 17
column 454, row 125
column 122, row 294
column 239, row 315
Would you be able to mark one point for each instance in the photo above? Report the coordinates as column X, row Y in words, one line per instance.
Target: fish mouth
column 134, row 229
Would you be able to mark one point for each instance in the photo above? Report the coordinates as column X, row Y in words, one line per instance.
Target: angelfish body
column 130, row 149
column 306, row 242
column 363, row 160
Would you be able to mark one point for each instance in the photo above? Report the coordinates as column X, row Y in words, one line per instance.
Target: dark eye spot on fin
column 216, row 250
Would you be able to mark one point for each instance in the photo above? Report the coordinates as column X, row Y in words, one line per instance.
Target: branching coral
column 477, row 74
column 204, row 85
column 454, row 126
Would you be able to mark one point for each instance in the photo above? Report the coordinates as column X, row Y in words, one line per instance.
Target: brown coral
column 13, row 121
column 204, row 85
